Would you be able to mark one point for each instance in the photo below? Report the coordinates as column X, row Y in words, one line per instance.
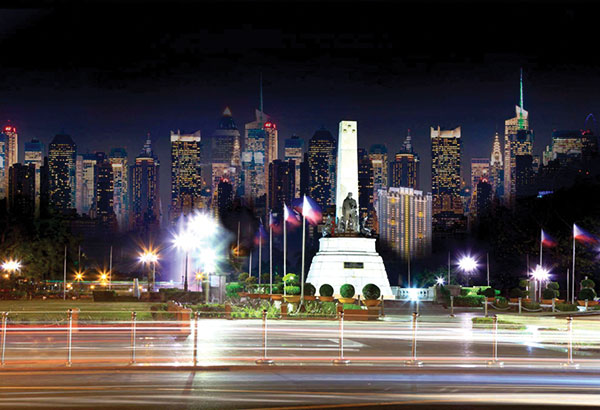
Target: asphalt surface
column 300, row 388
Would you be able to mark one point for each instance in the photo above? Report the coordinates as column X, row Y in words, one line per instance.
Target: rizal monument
column 346, row 251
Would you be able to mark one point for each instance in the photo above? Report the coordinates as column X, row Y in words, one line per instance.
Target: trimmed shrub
column 105, row 295
column 501, row 302
column 553, row 285
column 326, row 290
column 371, row 291
column 350, row 306
column 291, row 279
column 549, row 293
column 489, row 293
column 588, row 283
column 523, row 283
column 469, row 301
column 586, row 293
column 278, row 288
column 292, row 290
column 347, row 290
column 566, row 307
column 243, row 276
column 232, row 289
column 530, row 305
column 309, row 289
column 464, row 292
column 516, row 293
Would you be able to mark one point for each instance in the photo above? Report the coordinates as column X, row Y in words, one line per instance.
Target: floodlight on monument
column 540, row 273
column 440, row 281
column 467, row 264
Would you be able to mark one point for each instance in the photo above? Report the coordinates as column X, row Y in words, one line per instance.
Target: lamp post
column 11, row 266
column 467, row 264
column 540, row 274
column 150, row 256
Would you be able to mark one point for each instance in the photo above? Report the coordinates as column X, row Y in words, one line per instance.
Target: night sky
column 109, row 72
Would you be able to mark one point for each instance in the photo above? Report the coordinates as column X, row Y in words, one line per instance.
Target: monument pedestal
column 348, row 259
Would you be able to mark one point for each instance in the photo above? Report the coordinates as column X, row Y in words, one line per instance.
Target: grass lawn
column 55, row 311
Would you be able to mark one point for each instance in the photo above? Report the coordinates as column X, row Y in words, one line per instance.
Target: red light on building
column 8, row 128
column 269, row 124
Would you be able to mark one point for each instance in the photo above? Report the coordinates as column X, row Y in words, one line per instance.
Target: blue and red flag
column 261, row 235
column 311, row 211
column 290, row 216
column 547, row 240
column 274, row 223
column 583, row 236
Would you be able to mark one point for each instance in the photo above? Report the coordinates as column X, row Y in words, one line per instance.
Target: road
column 291, row 387
column 438, row 339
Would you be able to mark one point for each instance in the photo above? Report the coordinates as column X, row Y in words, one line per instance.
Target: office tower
column 282, row 184
column 225, row 159
column 520, row 122
column 3, row 168
column 480, row 169
column 447, row 205
column 483, row 197
column 62, row 155
column 379, row 160
column 366, row 197
column 520, row 144
column 322, row 166
column 405, row 221
column 404, row 169
column 120, row 170
column 224, row 196
column 86, row 183
column 104, row 189
column 294, row 150
column 21, row 190
column 34, row 154
column 12, row 145
column 496, row 169
column 255, row 163
column 570, row 146
column 304, row 176
column 145, row 191
column 186, row 181
column 524, row 176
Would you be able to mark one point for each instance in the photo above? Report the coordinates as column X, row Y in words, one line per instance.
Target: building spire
column 521, row 90
column 261, row 94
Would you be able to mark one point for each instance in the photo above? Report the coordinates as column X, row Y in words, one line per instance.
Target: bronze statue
column 350, row 214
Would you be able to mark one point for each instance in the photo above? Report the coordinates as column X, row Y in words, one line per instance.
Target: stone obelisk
column 347, row 165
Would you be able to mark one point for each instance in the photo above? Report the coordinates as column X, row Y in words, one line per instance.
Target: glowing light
column 440, row 281
column 148, row 257
column 92, row 287
column 540, row 273
column 11, row 265
column 467, row 264
column 78, row 276
column 103, row 276
column 413, row 294
column 269, row 124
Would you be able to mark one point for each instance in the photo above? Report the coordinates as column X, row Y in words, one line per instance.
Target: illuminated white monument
column 346, row 252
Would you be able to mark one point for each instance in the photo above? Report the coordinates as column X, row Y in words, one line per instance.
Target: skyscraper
column 480, row 169
column 379, row 160
column 322, row 165
column 483, row 202
column 447, row 205
column 224, row 196
column 34, row 154
column 86, row 183
column 186, row 181
column 104, row 189
column 12, row 145
column 145, row 191
column 255, row 163
column 120, row 170
column 282, row 184
column 496, row 169
column 226, row 159
column 405, row 221
column 511, row 127
column 21, row 190
column 62, row 154
column 3, row 168
column 366, row 196
column 294, row 150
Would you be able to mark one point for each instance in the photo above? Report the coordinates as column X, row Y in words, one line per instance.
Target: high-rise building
column 62, row 155
column 255, row 163
column 405, row 221
column 34, row 154
column 322, row 166
column 3, row 168
column 524, row 176
column 224, row 196
column 186, row 181
column 520, row 122
column 483, row 202
column 570, row 146
column 480, row 169
column 145, row 191
column 226, row 157
column 448, row 211
column 294, row 150
column 120, row 170
column 379, row 159
column 282, row 184
column 12, row 145
column 496, row 169
column 21, row 190
column 104, row 189
column 304, row 176
column 520, row 144
column 404, row 169
column 366, row 197
column 86, row 183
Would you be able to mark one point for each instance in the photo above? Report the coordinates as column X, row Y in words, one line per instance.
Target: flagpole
column 541, row 244
column 303, row 248
column 284, row 241
column 487, row 257
column 271, row 252
column 259, row 253
column 568, row 287
column 573, row 273
column 238, row 242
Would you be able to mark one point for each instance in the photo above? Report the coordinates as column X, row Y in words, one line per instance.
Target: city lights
column 11, row 266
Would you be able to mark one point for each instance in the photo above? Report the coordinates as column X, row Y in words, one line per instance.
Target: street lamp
column 11, row 266
column 186, row 242
column 467, row 264
column 103, row 278
column 540, row 274
column 440, row 281
column 150, row 256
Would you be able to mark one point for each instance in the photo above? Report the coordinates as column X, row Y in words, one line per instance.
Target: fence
column 424, row 294
column 197, row 341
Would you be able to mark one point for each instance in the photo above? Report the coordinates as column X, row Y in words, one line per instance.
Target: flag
column 581, row 235
column 310, row 210
column 274, row 223
column 290, row 216
column 547, row 240
column 260, row 235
